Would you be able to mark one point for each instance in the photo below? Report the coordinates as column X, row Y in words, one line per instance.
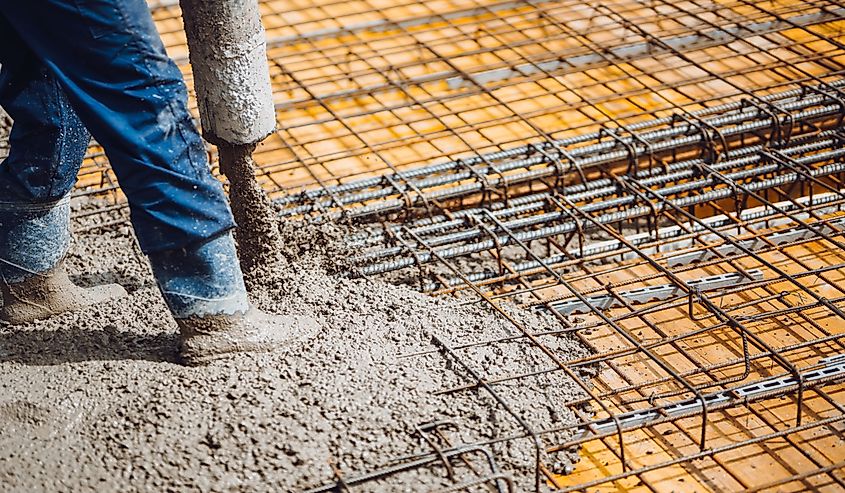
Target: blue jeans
column 68, row 67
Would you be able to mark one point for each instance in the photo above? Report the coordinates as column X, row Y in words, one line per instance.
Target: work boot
column 34, row 284
column 50, row 293
column 205, row 339
column 204, row 288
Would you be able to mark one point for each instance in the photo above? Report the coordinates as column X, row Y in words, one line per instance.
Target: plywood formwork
column 665, row 177
column 364, row 87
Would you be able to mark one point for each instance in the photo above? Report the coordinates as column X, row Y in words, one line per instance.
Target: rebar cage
column 665, row 178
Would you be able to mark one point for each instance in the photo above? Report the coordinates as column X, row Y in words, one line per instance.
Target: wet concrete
column 5, row 128
column 258, row 237
column 96, row 401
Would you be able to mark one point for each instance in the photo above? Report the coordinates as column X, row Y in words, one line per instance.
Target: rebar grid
column 638, row 252
column 686, row 369
column 664, row 178
column 369, row 87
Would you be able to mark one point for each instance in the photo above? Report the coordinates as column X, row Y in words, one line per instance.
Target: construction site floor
column 665, row 179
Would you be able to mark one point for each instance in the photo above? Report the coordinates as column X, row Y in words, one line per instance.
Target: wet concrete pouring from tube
column 96, row 400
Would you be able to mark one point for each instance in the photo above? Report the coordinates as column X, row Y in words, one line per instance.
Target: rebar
column 673, row 173
column 623, row 206
column 549, row 159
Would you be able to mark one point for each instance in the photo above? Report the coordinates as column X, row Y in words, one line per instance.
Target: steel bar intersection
column 666, row 179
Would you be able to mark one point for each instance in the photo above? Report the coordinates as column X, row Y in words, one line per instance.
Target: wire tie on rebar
column 714, row 176
column 838, row 99
column 482, row 179
column 409, row 201
column 801, row 168
column 699, row 126
column 838, row 136
column 694, row 296
column 422, row 196
column 633, row 157
column 775, row 135
column 477, row 222
column 574, row 163
column 789, row 121
column 498, row 246
column 421, row 267
column 555, row 161
column 625, row 184
column 717, row 156
column 579, row 226
column 647, row 146
column 503, row 182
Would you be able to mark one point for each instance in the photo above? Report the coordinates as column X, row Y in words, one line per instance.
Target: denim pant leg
column 110, row 61
column 34, row 237
column 202, row 280
column 48, row 143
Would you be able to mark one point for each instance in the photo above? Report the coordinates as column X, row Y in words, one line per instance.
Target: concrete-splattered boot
column 204, row 288
column 34, row 239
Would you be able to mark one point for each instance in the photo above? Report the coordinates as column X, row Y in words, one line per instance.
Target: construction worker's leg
column 48, row 143
column 132, row 98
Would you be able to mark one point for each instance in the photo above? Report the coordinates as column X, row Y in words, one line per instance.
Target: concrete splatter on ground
column 96, row 400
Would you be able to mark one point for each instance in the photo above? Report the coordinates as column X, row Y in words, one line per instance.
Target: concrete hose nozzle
column 229, row 59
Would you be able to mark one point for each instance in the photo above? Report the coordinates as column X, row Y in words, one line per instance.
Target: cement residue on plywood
column 96, row 400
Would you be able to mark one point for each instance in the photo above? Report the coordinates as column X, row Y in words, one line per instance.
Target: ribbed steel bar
column 549, row 159
column 547, row 228
column 658, row 242
column 591, row 191
column 594, row 188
